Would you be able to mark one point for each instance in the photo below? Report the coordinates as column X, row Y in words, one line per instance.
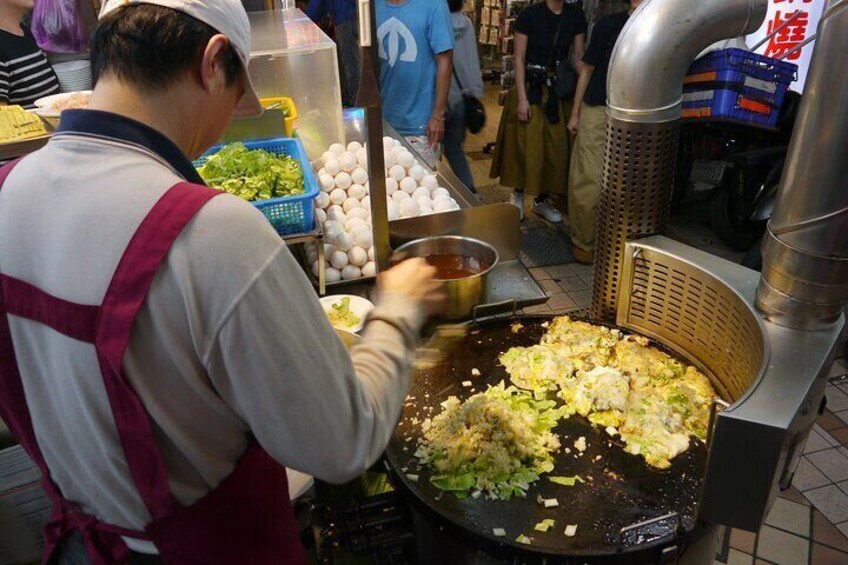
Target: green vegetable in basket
column 253, row 174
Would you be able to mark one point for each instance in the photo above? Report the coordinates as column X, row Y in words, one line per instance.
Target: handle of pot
column 495, row 307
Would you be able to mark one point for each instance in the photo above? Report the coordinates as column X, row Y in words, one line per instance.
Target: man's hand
column 524, row 111
column 435, row 131
column 415, row 278
column 573, row 124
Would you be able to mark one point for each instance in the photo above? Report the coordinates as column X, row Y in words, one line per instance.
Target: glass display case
column 291, row 56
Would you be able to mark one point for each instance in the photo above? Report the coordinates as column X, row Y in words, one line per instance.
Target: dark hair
column 151, row 46
column 455, row 5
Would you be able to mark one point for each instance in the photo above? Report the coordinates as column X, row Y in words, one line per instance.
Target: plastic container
column 737, row 85
column 288, row 103
column 291, row 214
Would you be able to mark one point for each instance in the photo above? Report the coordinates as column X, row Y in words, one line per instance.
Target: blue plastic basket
column 737, row 85
column 291, row 214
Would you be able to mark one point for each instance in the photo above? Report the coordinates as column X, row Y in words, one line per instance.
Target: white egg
column 316, row 267
column 397, row 172
column 363, row 237
column 344, row 242
column 350, row 204
column 425, row 203
column 328, row 249
column 338, row 196
column 350, row 273
column 312, row 256
column 430, row 182
column 397, row 150
column 393, row 211
column 389, row 159
column 362, row 158
column 337, row 215
column 337, row 148
column 327, row 156
column 359, row 176
column 347, row 162
column 371, row 253
column 400, row 196
column 328, row 182
column 320, row 216
column 357, row 213
column 439, row 192
column 353, row 224
column 369, row 269
column 365, row 204
column 408, row 185
column 420, row 193
column 391, row 186
column 332, row 275
column 343, row 180
column 441, row 205
column 388, row 143
column 333, row 167
column 354, row 146
column 356, row 191
column 406, row 160
column 417, row 172
column 357, row 256
column 338, row 259
column 409, row 207
column 454, row 204
column 320, row 171
column 322, row 201
column 332, row 229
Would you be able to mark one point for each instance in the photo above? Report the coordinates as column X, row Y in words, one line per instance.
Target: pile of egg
column 343, row 206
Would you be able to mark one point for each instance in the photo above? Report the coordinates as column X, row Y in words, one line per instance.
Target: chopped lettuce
column 566, row 481
column 253, row 174
column 341, row 316
column 497, row 443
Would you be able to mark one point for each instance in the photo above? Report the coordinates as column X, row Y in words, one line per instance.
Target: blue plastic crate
column 737, row 85
column 291, row 214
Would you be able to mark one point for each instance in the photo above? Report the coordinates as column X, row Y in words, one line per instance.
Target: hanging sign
column 798, row 29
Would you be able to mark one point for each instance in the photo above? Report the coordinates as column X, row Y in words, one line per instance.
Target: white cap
column 228, row 18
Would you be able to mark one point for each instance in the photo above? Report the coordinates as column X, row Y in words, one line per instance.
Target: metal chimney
column 644, row 101
column 805, row 251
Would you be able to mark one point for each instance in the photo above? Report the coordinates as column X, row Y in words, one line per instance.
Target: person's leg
column 584, row 189
column 454, row 137
column 556, row 146
column 349, row 51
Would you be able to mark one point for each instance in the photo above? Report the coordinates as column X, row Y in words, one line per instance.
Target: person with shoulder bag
column 533, row 146
column 465, row 111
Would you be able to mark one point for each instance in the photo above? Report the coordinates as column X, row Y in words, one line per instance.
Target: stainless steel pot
column 463, row 293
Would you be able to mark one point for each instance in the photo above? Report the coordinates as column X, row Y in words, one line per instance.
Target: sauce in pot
column 451, row 266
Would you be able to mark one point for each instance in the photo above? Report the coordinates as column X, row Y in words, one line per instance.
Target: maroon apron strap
column 126, row 293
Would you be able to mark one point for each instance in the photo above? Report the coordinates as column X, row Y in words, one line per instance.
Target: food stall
column 582, row 481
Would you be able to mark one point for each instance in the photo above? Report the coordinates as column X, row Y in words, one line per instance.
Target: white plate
column 358, row 305
column 53, row 98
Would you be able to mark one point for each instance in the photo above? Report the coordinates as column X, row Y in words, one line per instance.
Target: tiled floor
column 808, row 524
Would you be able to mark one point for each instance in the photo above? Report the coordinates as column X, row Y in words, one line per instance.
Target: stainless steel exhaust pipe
column 805, row 251
column 644, row 101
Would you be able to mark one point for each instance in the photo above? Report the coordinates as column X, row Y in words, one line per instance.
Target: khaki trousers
column 584, row 179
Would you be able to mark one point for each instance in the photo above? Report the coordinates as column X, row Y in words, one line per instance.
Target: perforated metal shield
column 639, row 164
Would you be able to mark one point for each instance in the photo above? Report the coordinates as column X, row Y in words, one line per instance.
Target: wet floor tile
column 826, row 533
column 790, row 516
column 832, row 463
column 743, row 540
column 782, row 548
column 808, row 477
column 831, row 501
column 822, row 555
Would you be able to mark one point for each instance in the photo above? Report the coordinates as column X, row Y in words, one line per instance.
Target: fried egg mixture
column 654, row 402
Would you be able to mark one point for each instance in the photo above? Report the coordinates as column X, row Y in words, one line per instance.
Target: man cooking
column 162, row 355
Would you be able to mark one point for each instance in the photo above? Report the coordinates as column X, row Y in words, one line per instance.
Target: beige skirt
column 533, row 155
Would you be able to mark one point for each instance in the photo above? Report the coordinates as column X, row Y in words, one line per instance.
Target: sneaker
column 547, row 211
column 517, row 200
column 583, row 256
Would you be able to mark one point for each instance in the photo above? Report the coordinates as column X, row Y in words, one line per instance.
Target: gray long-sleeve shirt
column 466, row 61
column 231, row 342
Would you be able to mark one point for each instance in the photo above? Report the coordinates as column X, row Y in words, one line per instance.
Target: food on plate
column 538, row 368
column 71, row 101
column 496, row 443
column 620, row 383
column 17, row 124
column 253, row 174
column 341, row 316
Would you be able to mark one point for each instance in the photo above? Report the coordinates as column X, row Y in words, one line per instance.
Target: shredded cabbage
column 253, row 174
column 497, row 442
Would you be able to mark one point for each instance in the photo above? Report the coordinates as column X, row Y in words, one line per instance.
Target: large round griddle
column 621, row 489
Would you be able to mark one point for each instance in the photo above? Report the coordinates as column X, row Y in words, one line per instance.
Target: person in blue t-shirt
column 416, row 50
column 347, row 40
